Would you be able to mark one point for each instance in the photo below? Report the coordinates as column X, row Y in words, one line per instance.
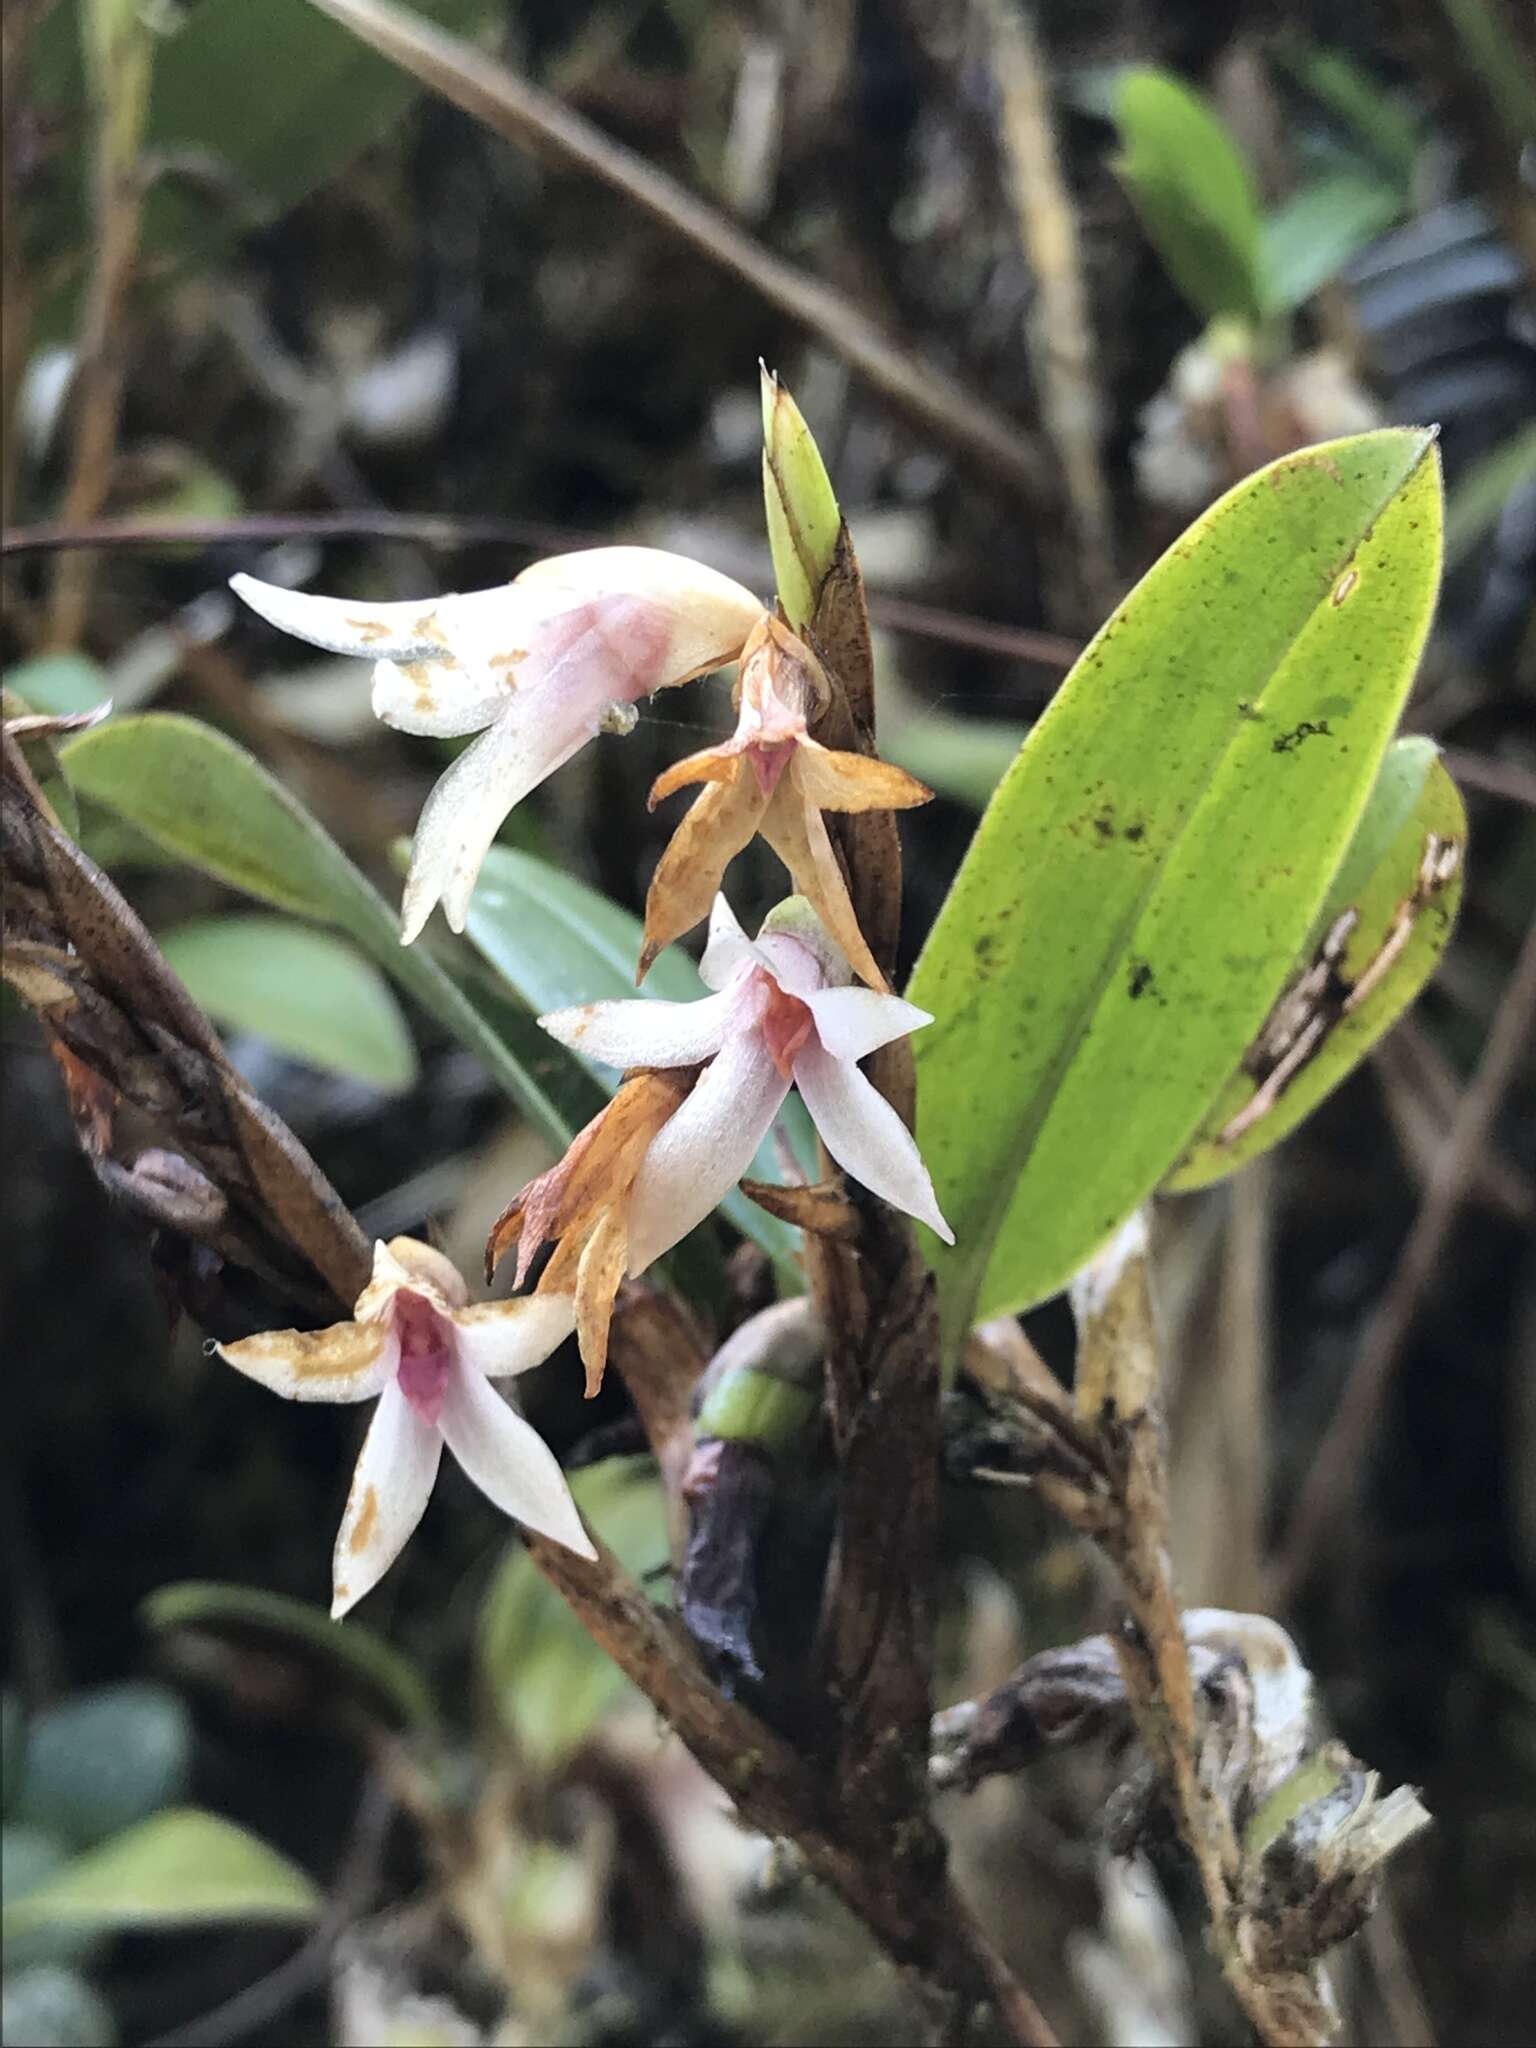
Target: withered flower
column 771, row 778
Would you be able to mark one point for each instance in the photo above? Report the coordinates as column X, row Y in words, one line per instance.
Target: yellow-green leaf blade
column 178, row 1868
column 803, row 519
column 1413, row 831
column 1149, row 868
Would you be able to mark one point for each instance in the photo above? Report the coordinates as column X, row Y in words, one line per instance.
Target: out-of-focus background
column 343, row 297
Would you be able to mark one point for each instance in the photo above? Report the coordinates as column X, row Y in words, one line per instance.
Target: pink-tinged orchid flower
column 537, row 667
column 429, row 1356
column 783, row 1015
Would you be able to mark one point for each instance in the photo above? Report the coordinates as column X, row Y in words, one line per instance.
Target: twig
column 1059, row 332
column 1118, row 1383
column 1327, row 1485
column 521, row 112
column 118, row 48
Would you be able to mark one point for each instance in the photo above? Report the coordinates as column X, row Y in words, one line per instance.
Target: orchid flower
column 416, row 1343
column 771, row 778
column 536, row 667
column 782, row 1015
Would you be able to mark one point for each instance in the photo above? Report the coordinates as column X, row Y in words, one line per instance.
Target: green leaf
column 549, row 1681
column 104, row 1758
column 1308, row 240
column 1195, row 194
column 1150, row 867
column 963, row 758
column 1415, row 810
column 803, row 519
column 59, row 684
column 353, row 1655
column 180, row 1868
column 559, row 943
column 30, row 1857
column 310, row 993
column 1375, row 118
column 195, row 792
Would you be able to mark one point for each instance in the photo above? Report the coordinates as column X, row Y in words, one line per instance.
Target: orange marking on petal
column 362, row 1531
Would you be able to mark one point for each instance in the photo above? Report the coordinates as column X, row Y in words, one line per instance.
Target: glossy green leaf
column 803, row 517
column 548, row 1680
column 558, row 943
column 103, row 1758
column 1387, row 879
column 1149, row 869
column 352, row 1656
column 1192, row 187
column 1308, row 240
column 306, row 991
column 181, row 1868
column 197, row 793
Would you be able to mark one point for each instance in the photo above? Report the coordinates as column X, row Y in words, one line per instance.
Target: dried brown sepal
column 823, row 1209
column 772, row 778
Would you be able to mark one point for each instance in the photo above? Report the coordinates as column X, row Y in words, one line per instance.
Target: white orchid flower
column 537, row 667
column 429, row 1356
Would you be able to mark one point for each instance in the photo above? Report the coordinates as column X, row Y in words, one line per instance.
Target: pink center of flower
column 769, row 763
column 786, row 1025
column 426, row 1354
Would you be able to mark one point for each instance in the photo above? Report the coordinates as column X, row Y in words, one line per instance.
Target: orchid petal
column 705, row 1147
column 865, row 1135
column 496, row 1338
column 706, row 616
column 728, row 949
column 405, row 632
column 853, row 1022
column 510, row 1462
column 437, row 699
column 347, row 1362
column 719, row 823
column 462, row 816
column 798, row 835
column 604, row 1259
column 642, row 1033
column 393, row 1482
column 854, row 782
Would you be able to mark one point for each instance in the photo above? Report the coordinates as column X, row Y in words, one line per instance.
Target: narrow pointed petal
column 797, row 834
column 852, row 1022
column 405, row 632
column 462, row 816
column 705, row 1148
column 390, row 1490
column 866, row 1137
column 710, row 764
column 603, row 1261
column 437, row 699
column 719, row 824
column 497, row 1338
column 510, row 1462
column 347, row 1362
column 728, row 949
column 644, row 1033
column 854, row 782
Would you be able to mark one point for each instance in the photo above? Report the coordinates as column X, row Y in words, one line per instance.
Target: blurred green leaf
column 1308, row 240
column 803, row 518
column 549, row 1681
column 47, row 2007
column 1151, row 865
column 59, row 684
column 1374, row 118
column 963, row 758
column 354, row 1655
column 179, row 1868
column 30, row 1857
column 1501, row 62
column 313, row 995
column 1380, row 879
column 1192, row 187
column 104, row 1758
column 194, row 791
column 558, row 943
column 1481, row 493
